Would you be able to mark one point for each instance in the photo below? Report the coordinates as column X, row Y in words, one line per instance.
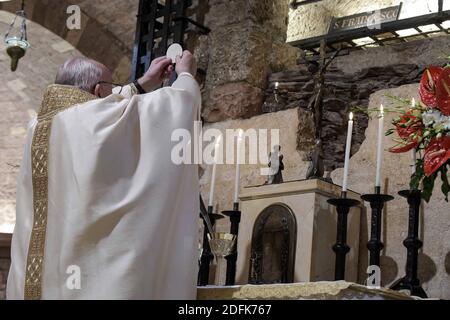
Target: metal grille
column 159, row 24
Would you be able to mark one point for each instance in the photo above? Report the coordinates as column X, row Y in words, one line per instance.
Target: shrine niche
column 273, row 246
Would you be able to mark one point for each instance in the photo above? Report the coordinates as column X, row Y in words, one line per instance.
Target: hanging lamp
column 16, row 38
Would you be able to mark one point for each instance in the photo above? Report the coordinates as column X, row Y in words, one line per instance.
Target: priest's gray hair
column 80, row 72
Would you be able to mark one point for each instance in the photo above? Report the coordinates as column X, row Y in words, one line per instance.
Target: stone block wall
column 20, row 97
column 314, row 19
column 106, row 32
column 247, row 42
column 349, row 82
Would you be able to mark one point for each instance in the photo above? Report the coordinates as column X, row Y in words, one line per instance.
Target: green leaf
column 415, row 181
column 428, row 185
column 445, row 185
column 428, row 182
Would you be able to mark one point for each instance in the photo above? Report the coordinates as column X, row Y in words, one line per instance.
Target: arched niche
column 273, row 246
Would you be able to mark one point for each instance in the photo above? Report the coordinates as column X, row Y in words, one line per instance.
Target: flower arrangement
column 424, row 128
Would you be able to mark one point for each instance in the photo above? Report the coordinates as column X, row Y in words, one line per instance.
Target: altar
column 324, row 290
column 287, row 232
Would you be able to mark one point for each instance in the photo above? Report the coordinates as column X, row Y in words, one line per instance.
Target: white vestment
column 120, row 217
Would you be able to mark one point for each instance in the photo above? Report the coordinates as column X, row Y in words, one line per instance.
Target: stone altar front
column 287, row 232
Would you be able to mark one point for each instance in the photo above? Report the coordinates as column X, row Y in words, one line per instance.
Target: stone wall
column 314, row 19
column 20, row 97
column 247, row 42
column 349, row 82
column 284, row 121
column 106, row 33
column 343, row 92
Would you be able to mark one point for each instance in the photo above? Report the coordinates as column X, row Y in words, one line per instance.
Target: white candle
column 238, row 167
column 347, row 151
column 213, row 176
column 380, row 146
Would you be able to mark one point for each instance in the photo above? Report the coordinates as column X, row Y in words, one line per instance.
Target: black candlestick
column 377, row 201
column 412, row 243
column 207, row 256
column 235, row 218
column 341, row 248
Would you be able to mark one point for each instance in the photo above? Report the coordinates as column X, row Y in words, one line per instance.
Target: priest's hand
column 160, row 69
column 186, row 63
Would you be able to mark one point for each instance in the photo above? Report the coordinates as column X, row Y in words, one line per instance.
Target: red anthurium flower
column 405, row 148
column 428, row 86
column 408, row 125
column 443, row 92
column 436, row 154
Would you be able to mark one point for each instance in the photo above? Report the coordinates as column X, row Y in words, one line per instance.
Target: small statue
column 275, row 166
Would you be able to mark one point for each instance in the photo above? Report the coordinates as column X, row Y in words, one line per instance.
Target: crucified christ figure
column 316, row 167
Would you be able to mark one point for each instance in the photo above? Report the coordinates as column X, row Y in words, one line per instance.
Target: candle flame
column 381, row 109
column 276, row 85
column 350, row 116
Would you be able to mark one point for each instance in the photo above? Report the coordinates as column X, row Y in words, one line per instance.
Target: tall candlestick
column 238, row 167
column 347, row 151
column 380, row 147
column 213, row 176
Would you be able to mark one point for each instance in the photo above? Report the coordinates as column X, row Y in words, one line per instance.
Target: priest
column 102, row 211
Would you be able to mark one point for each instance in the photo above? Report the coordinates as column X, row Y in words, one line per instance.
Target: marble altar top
column 323, row 290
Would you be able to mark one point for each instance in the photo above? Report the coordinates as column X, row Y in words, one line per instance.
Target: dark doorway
column 273, row 246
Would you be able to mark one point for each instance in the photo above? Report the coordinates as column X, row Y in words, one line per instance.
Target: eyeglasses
column 114, row 85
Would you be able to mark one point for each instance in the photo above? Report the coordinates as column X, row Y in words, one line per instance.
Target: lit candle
column 380, row 146
column 347, row 151
column 213, row 176
column 238, row 167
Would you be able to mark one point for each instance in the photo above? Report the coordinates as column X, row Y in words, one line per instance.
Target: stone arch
column 20, row 97
column 108, row 48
